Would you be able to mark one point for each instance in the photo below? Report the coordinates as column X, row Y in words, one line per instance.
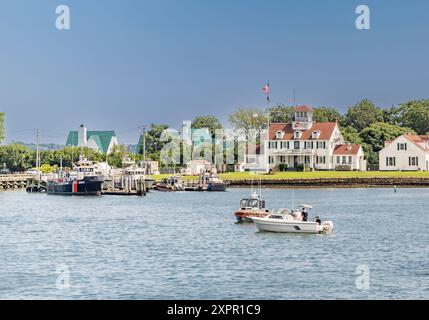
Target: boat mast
column 37, row 150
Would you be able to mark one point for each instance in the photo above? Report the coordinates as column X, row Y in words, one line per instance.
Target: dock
column 18, row 181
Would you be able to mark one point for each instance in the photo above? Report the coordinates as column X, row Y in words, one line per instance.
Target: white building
column 316, row 145
column 407, row 153
column 195, row 167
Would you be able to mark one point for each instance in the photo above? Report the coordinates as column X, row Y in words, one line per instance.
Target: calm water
column 186, row 246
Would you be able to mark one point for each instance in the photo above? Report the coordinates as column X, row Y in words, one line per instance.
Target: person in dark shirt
column 304, row 215
column 318, row 220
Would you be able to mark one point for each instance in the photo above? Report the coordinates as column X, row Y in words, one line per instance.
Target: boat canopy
column 306, row 206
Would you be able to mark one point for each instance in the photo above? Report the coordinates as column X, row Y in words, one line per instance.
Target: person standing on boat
column 304, row 214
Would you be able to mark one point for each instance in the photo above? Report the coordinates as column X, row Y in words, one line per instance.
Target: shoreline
column 374, row 182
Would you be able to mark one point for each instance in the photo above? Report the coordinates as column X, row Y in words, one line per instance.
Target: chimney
column 81, row 136
column 187, row 131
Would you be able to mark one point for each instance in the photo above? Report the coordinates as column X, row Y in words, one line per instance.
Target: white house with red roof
column 316, row 145
column 406, row 153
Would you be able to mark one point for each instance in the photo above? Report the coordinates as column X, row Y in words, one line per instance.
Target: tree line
column 364, row 123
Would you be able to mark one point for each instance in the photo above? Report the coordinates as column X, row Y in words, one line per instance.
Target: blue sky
column 127, row 63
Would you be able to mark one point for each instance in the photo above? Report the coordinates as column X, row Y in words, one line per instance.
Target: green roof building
column 102, row 141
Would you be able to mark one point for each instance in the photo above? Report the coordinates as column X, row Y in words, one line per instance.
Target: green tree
column 251, row 121
column 1, row 127
column 119, row 152
column 46, row 168
column 363, row 114
column 153, row 142
column 414, row 115
column 17, row 157
column 210, row 122
column 70, row 155
column 375, row 136
column 281, row 114
column 326, row 114
column 351, row 135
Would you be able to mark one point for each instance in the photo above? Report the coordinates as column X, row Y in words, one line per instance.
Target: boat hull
column 248, row 215
column 289, row 227
column 85, row 187
column 218, row 187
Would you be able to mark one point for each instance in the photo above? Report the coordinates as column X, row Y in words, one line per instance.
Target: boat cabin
column 249, row 204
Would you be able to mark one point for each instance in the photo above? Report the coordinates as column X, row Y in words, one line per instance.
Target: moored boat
column 286, row 221
column 170, row 184
column 88, row 186
column 82, row 181
column 253, row 207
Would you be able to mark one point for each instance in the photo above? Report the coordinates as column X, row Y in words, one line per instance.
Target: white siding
column 402, row 157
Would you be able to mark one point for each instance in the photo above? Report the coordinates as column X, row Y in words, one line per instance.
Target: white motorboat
column 287, row 221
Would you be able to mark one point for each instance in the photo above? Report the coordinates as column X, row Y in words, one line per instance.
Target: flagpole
column 268, row 122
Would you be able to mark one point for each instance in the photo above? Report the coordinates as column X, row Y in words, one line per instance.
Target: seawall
column 335, row 182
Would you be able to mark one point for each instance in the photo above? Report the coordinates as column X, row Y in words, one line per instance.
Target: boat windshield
column 252, row 203
column 275, row 216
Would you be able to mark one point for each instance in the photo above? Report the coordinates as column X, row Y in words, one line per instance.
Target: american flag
column 266, row 90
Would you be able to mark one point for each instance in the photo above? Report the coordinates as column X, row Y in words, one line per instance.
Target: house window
column 350, row 160
column 279, row 135
column 297, row 134
column 321, row 144
column 402, row 146
column 284, row 145
column 270, row 159
column 321, row 160
column 344, row 159
column 390, row 161
column 273, row 145
column 338, row 160
column 307, row 145
column 413, row 161
column 315, row 134
column 296, row 145
column 281, row 159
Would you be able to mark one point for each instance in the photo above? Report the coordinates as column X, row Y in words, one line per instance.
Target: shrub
column 299, row 167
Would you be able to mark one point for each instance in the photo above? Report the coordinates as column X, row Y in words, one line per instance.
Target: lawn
column 312, row 175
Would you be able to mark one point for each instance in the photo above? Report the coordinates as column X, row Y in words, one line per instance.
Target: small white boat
column 286, row 221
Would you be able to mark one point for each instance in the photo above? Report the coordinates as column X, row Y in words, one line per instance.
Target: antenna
column 293, row 199
column 143, row 134
column 294, row 97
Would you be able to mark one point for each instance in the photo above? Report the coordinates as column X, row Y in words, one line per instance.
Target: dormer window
column 279, row 135
column 315, row 134
column 297, row 134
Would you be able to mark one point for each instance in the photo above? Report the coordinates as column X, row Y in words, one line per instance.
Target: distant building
column 315, row 145
column 254, row 159
column 102, row 141
column 195, row 167
column 407, row 153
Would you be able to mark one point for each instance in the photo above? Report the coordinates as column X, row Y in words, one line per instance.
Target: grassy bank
column 313, row 175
